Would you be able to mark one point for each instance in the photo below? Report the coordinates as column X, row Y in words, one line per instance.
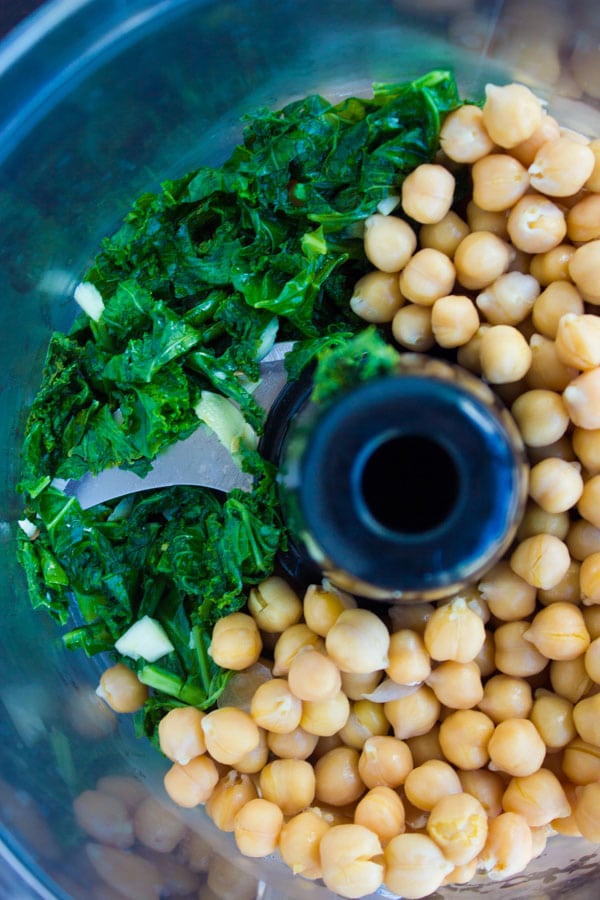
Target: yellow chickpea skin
column 508, row 849
column 180, row 734
column 322, row 606
column 561, row 167
column 582, row 399
column 463, row 136
column 485, row 786
column 384, row 761
column 454, row 320
column 514, row 655
column 578, row 341
column 558, row 299
column 506, row 697
column 121, row 689
column 337, row 777
column 586, row 716
column 413, row 714
column 505, row 355
column 274, row 605
column 555, row 484
column 547, row 371
column 376, row 297
column 589, row 579
column 464, row 738
column 367, row 718
column 300, row 840
column 389, row 242
column 229, row 734
column 589, row 502
column 290, row 642
column 508, row 596
column 539, row 798
column 553, row 265
column 547, row 130
column 427, row 193
column 583, row 220
column 536, row 224
column 581, row 762
column 411, row 328
column 358, row 641
column 444, row 235
column 325, row 717
column 592, row 659
column 257, row 826
column 511, row 114
column 541, row 560
column 414, row 866
column 275, row 708
column 584, row 269
column 427, row 276
column 457, row 685
column 382, row 811
column 516, row 747
column 454, row 632
column 509, row 299
column 480, row 258
column 587, row 811
column 458, row 824
column 591, row 616
column 236, row 642
column 314, row 676
column 350, row 860
column 499, row 180
column 429, row 782
column 570, row 679
column 232, row 792
column 558, row 631
column 409, row 661
column 586, row 444
column 290, row 783
column 192, row 784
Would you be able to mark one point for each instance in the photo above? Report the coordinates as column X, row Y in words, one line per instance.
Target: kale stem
column 200, row 648
column 171, row 684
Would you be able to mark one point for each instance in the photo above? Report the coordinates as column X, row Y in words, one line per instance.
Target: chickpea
column 558, row 299
column 541, row 560
column 457, row 685
column 412, row 615
column 587, row 808
column 444, row 235
column 454, row 632
column 121, row 689
column 561, row 167
column 556, row 485
column 567, row 590
column 516, row 747
column 348, row 860
column 479, row 219
column 376, row 297
column 511, row 114
column 463, row 136
column 232, row 792
column 485, row 786
column 180, row 734
column 508, row 848
column 547, row 130
column 558, row 631
column 253, row 761
column 537, row 521
column 257, row 826
column 536, row 224
column 427, row 276
column 588, row 506
column 314, row 676
column 322, row 606
column 104, row 818
column 578, row 341
column 509, row 299
column 581, row 762
column 290, row 783
column 458, row 824
column 274, row 605
column 358, row 641
column 499, row 180
column 290, row 642
column 506, row 697
column 382, row 811
column 366, row 719
column 504, row 354
column 509, row 597
column 584, row 268
column 547, row 371
column 582, row 219
column 236, row 642
column 384, row 761
column 325, row 717
column 299, row 843
column 427, row 193
column 192, row 784
column 591, row 617
column 127, row 872
column 569, row 678
column 229, row 734
column 587, row 720
column 357, row 685
column 389, row 242
column 411, row 328
column 514, row 655
column 454, row 320
column 428, row 783
column 538, row 797
column 414, row 865
column 464, row 737
column 414, row 714
column 337, row 777
column 275, row 708
column 296, row 744
column 409, row 661
column 157, row 826
column 485, row 659
column 586, row 444
column 553, row 717
column 424, row 747
column 225, row 879
column 128, row 790
column 481, row 258
column 592, row 660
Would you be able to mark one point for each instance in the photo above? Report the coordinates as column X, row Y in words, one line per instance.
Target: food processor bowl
column 101, row 100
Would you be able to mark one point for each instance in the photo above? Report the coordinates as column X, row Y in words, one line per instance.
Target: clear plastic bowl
column 100, row 100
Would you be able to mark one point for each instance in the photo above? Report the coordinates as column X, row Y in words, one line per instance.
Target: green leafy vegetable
column 192, row 291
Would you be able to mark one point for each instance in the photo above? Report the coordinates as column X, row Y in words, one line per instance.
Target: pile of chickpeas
column 436, row 742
